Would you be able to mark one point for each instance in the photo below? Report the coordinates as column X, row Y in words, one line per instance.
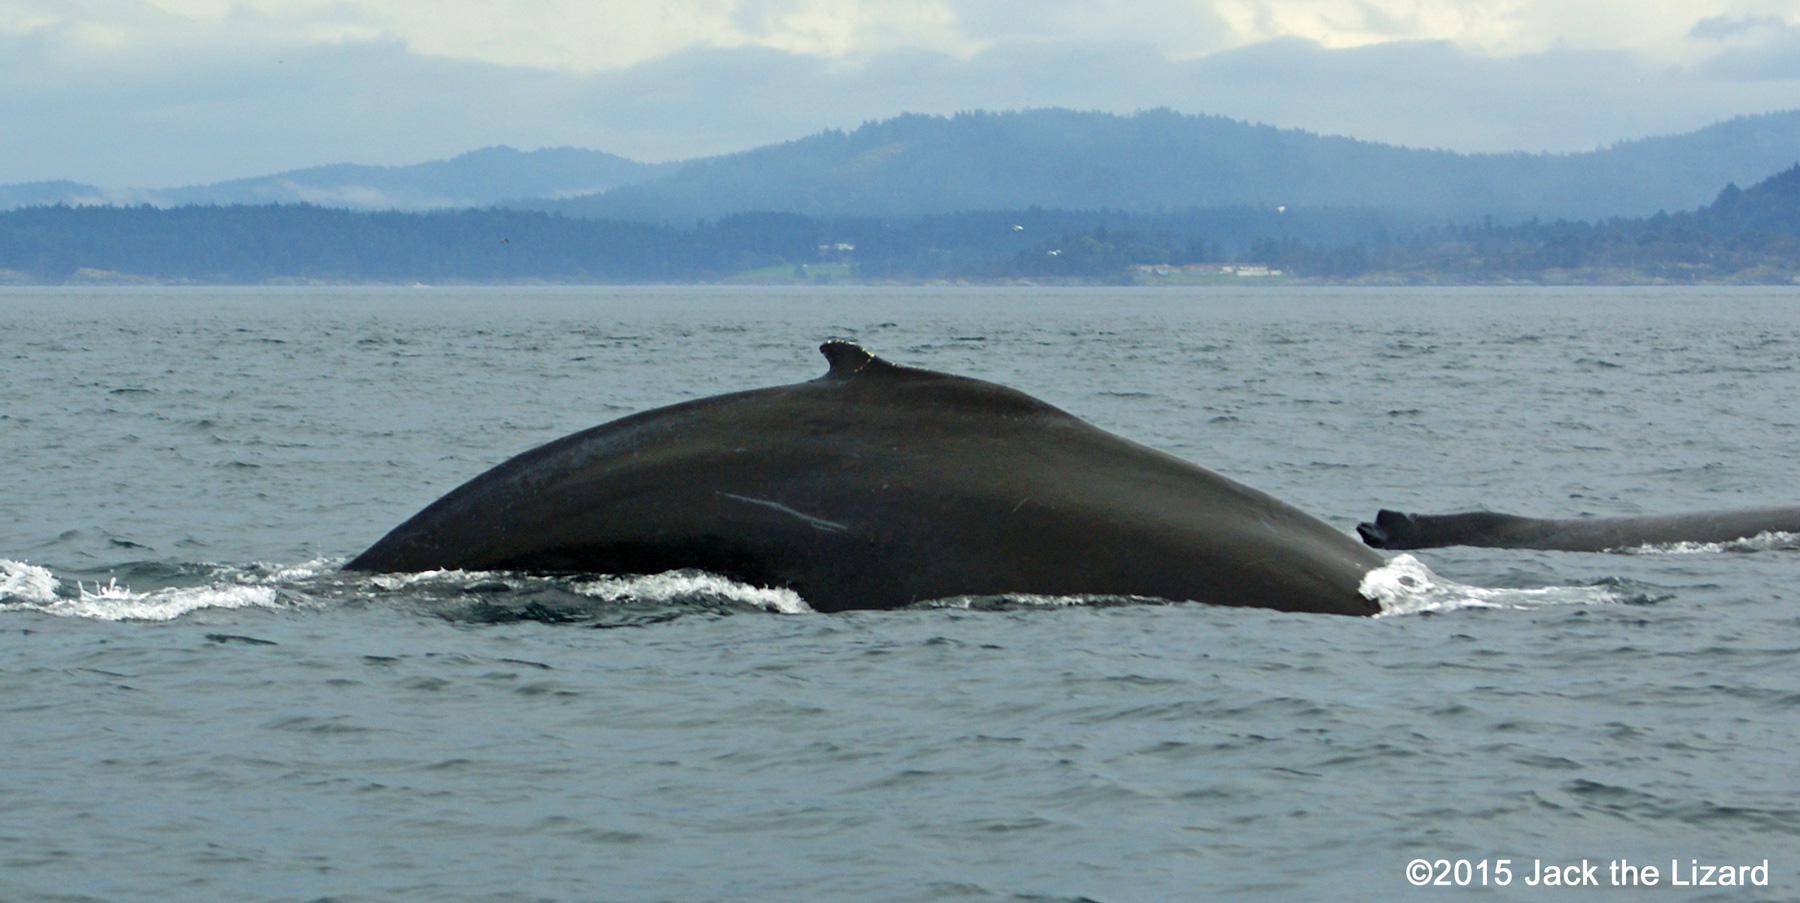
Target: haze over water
column 195, row 706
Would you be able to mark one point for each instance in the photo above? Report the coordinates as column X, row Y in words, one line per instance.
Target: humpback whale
column 1395, row 530
column 876, row 486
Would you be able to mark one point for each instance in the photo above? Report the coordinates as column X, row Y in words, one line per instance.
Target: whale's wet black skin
column 1394, row 530
column 876, row 486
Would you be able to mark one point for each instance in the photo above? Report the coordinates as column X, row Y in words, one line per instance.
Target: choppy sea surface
column 196, row 705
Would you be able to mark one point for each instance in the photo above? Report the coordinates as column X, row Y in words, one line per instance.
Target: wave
column 23, row 583
column 1766, row 541
column 1017, row 601
column 457, row 595
column 676, row 586
column 1405, row 586
column 29, row 587
column 595, row 600
column 188, row 588
column 112, row 602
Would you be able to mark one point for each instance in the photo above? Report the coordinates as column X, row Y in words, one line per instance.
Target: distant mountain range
column 1162, row 161
column 1151, row 162
column 479, row 178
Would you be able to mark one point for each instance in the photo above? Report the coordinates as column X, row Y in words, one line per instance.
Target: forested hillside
column 1151, row 163
column 1747, row 235
column 280, row 242
column 1159, row 161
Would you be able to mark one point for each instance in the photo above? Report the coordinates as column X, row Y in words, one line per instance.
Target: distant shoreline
column 1746, row 236
column 1597, row 279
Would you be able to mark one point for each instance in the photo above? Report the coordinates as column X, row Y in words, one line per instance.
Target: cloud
column 1420, row 93
column 601, row 35
column 1724, row 28
column 123, row 93
column 1750, row 48
column 139, row 123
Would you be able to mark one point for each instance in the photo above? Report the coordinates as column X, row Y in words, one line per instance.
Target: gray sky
column 154, row 93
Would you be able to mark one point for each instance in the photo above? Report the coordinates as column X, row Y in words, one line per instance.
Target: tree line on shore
column 1748, row 234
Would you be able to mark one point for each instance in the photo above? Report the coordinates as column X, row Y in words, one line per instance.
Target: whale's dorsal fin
column 853, row 366
column 848, row 359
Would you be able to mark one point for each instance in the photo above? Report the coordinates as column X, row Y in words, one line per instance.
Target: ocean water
column 195, row 705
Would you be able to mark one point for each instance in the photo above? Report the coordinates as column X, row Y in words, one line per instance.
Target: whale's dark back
column 875, row 486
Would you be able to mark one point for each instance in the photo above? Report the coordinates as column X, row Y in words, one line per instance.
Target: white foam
column 297, row 573
column 1766, row 541
column 674, row 586
column 1033, row 600
column 112, row 602
column 392, row 582
column 671, row 586
column 28, row 583
column 1406, row 586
